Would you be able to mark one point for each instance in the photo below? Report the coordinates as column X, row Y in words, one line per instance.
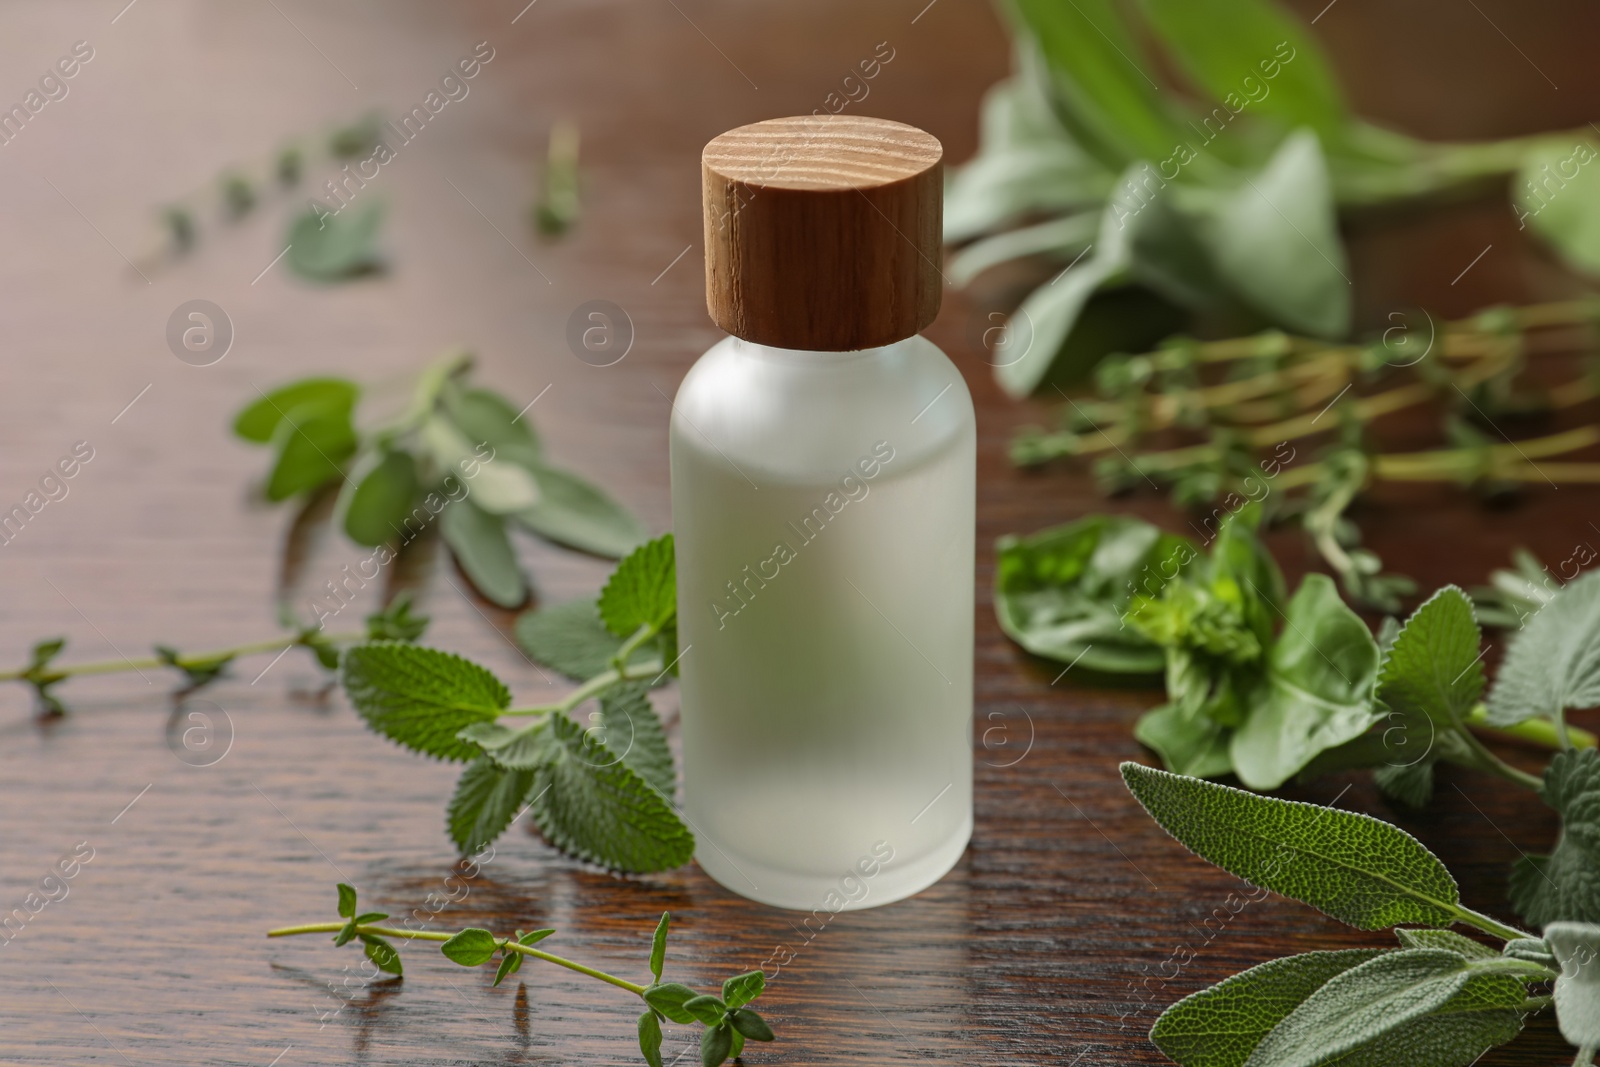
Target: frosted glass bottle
column 823, row 511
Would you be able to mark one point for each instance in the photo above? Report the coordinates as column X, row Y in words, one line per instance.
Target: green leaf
column 1553, row 664
column 312, row 442
column 741, row 989
column 327, row 247
column 1434, row 669
column 1360, row 870
column 736, row 1046
column 570, row 638
column 196, row 672
column 1318, row 691
column 592, row 805
column 368, row 917
column 650, row 1037
column 658, row 946
column 716, row 1042
column 1220, row 1026
column 471, row 947
column 382, row 954
column 259, row 421
column 479, row 542
column 630, row 727
column 1276, row 241
column 1188, row 739
column 708, row 1009
column 1409, row 783
column 750, row 1024
column 574, row 513
column 382, row 500
column 642, row 591
column 669, row 999
column 486, row 417
column 495, row 484
column 1557, row 193
column 1228, row 47
column 347, row 901
column 346, row 934
column 1100, row 78
column 510, row 963
column 421, row 697
column 1064, row 237
column 513, row 749
column 1368, row 1015
column 486, row 799
column 395, row 622
column 1061, row 593
column 1577, row 993
column 1565, row 885
column 1448, row 940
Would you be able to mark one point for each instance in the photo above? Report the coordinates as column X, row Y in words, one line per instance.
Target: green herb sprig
column 1440, row 998
column 602, row 793
column 461, row 454
column 727, row 1019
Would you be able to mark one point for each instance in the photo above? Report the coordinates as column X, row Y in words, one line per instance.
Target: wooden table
column 1043, row 946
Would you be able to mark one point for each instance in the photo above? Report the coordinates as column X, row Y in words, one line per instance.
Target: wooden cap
column 823, row 232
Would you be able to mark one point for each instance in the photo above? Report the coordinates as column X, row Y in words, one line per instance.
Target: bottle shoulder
column 799, row 416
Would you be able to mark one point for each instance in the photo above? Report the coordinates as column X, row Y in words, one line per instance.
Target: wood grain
column 1046, row 945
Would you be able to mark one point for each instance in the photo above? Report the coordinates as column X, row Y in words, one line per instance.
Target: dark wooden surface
column 1046, row 943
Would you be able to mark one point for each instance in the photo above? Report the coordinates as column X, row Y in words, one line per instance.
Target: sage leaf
column 487, row 797
column 1357, row 869
column 1553, row 664
column 328, row 247
column 1370, row 1011
column 312, row 442
column 421, row 697
column 381, row 500
column 1318, row 690
column 485, row 417
column 1565, row 885
column 1061, row 593
column 591, row 804
column 1220, row 1026
column 642, row 591
column 497, row 486
column 470, row 947
column 1275, row 240
column 1448, row 940
column 577, row 514
column 1064, row 237
column 1557, row 193
column 479, row 543
column 1577, row 993
column 259, row 421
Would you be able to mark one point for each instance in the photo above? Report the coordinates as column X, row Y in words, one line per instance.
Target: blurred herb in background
column 556, row 211
column 461, row 454
column 1222, row 195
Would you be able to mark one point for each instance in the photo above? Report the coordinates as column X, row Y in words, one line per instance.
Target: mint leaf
column 347, row 901
column 1061, row 593
column 259, row 421
column 382, row 500
column 481, row 546
column 1554, row 663
column 1360, row 870
column 741, row 989
column 486, row 799
column 642, row 591
column 630, row 727
column 1220, row 1026
column 471, row 947
column 1434, row 668
column 658, row 946
column 421, row 697
column 1413, row 1006
column 324, row 247
column 570, row 638
column 669, row 999
column 1577, row 993
column 1318, row 694
column 650, row 1037
column 572, row 512
column 520, row 749
column 1565, row 885
column 1448, row 940
column 396, row 622
column 1409, row 783
column 312, row 443
column 590, row 804
column 382, row 954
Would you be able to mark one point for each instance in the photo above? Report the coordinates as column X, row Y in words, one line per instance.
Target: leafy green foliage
column 487, row 797
column 1557, row 192
column 642, row 591
column 1576, row 947
column 197, row 670
column 396, row 621
column 658, row 946
column 328, row 247
column 1061, row 593
column 461, row 455
column 630, row 728
column 1360, row 870
column 1565, row 885
column 1447, row 940
column 420, row 697
column 1434, row 669
column 471, row 947
column 39, row 675
column 570, row 638
column 1553, row 664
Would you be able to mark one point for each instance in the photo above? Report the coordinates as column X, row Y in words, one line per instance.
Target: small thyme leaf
column 658, row 946
column 470, row 947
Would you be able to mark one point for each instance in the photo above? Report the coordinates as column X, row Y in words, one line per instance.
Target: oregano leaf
column 486, row 799
column 510, row 963
column 642, row 591
column 669, row 998
column 750, row 1024
column 382, row 954
column 741, row 989
column 715, row 1044
column 1357, row 869
column 347, row 901
column 470, row 947
column 650, row 1037
column 421, row 697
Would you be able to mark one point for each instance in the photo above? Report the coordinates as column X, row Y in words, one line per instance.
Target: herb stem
column 509, row 944
column 1541, row 732
column 113, row 666
column 600, row 683
column 1537, row 1003
column 1488, row 761
column 1494, row 928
